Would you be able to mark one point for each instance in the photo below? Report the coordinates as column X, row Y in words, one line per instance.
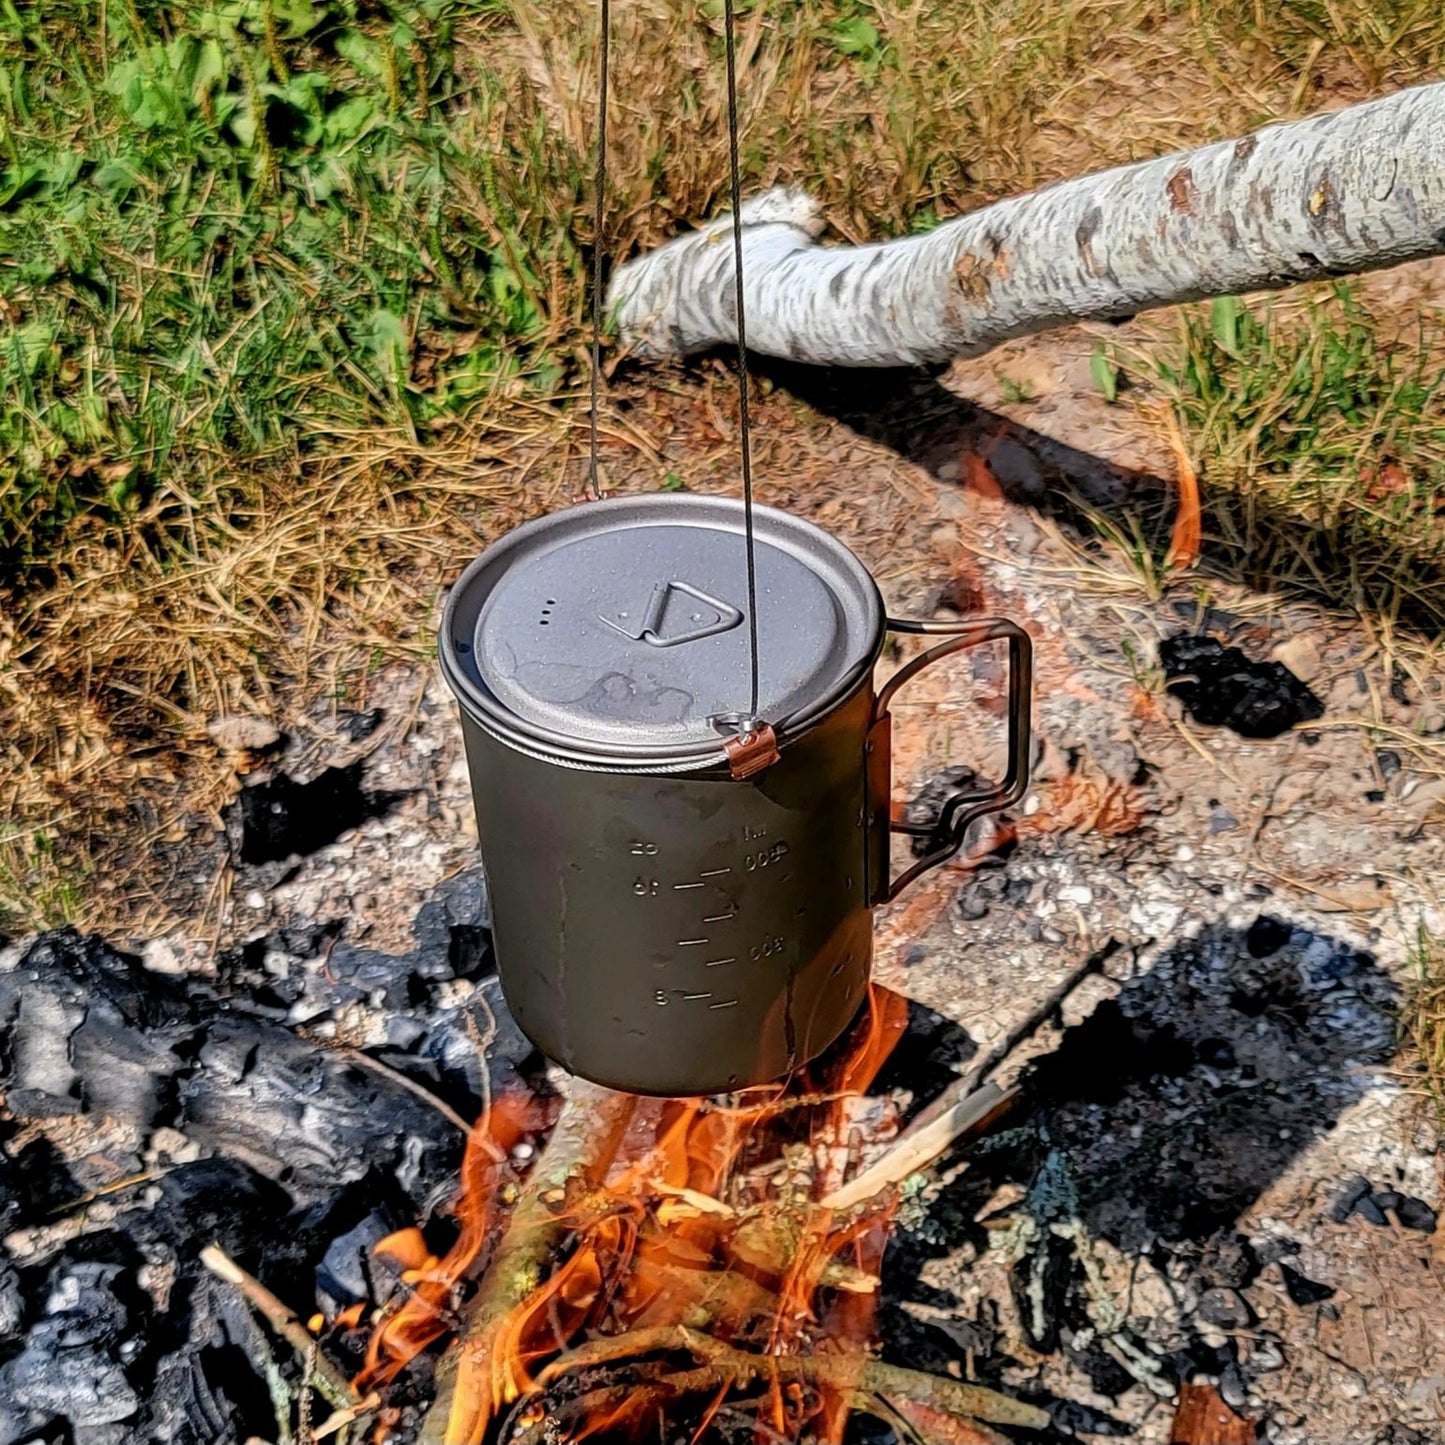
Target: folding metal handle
column 961, row 808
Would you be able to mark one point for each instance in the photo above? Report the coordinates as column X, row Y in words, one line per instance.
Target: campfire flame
column 425, row 1313
column 702, row 1235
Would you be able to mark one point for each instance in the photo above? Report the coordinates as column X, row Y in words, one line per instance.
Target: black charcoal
column 1350, row 1196
column 1301, row 1289
column 1222, row 687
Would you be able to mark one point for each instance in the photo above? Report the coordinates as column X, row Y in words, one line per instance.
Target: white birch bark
column 1336, row 194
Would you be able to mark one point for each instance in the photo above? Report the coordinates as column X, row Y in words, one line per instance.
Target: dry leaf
column 1204, row 1419
column 239, row 733
column 1386, row 480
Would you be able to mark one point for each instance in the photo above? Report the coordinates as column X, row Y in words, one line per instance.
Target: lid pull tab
column 751, row 751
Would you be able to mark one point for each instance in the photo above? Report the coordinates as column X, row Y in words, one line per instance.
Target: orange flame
column 424, row 1313
column 711, row 1223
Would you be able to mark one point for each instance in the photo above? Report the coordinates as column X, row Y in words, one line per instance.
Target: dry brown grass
column 269, row 586
column 299, row 589
column 959, row 103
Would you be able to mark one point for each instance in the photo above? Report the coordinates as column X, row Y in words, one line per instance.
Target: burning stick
column 736, row 1369
column 587, row 1131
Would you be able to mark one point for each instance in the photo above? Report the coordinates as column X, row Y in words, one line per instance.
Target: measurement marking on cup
column 714, row 872
column 718, row 962
column 690, row 942
column 721, row 917
column 678, row 887
column 692, row 997
column 726, row 1003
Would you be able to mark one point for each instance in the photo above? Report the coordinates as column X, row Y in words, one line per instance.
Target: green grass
column 1321, row 435
column 51, row 887
column 283, row 283
column 1423, row 1015
column 228, row 230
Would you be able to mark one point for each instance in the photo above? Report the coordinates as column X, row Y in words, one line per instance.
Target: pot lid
column 615, row 633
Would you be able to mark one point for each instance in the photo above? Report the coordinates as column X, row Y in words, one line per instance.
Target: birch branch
column 582, row 1143
column 1354, row 190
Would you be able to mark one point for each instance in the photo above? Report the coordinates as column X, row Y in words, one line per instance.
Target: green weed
column 1422, row 1018
column 229, row 230
column 1104, row 373
column 1322, row 441
column 38, row 887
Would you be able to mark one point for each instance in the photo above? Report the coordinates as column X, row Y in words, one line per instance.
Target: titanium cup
column 681, row 896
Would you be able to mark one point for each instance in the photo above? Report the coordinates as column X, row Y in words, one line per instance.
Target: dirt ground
column 1226, row 1168
column 1210, row 1095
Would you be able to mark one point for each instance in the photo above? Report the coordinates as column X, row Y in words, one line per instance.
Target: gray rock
column 1431, row 718
column 84, row 1386
column 1225, row 1308
column 1116, row 756
column 1232, row 1389
column 973, row 905
column 12, row 1303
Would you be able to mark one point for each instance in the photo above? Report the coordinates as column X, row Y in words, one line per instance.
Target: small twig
column 932, row 1426
column 346, row 1415
column 594, row 1405
column 917, row 1148
column 94, row 1196
column 403, row 1081
column 482, row 1041
column 723, row 1364
column 303, row 1404
column 395, row 1076
column 281, row 1318
column 607, row 1349
column 966, row 1105
column 1032, row 1022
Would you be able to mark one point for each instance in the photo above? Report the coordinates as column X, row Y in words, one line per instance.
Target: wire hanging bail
column 755, row 747
column 594, row 482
